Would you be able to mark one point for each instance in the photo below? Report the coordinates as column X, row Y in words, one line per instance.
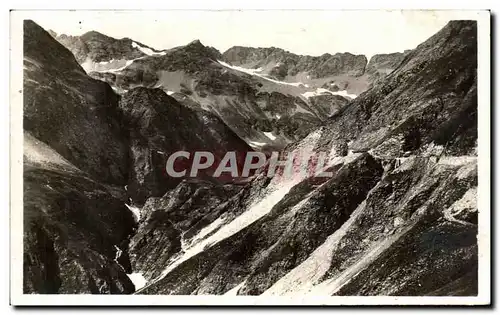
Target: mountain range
column 397, row 217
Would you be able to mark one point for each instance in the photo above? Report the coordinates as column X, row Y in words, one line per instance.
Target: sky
column 309, row 32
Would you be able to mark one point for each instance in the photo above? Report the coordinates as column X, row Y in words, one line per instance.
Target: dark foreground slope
column 76, row 229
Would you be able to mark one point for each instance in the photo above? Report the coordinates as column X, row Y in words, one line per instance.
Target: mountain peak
column 196, row 43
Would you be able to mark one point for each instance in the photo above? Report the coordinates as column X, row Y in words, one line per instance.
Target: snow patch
column 303, row 277
column 138, row 280
column 466, row 170
column 275, row 192
column 234, row 291
column 257, row 210
column 331, row 286
column 241, row 69
column 256, row 72
column 111, row 66
column 468, row 202
column 204, row 232
column 270, row 135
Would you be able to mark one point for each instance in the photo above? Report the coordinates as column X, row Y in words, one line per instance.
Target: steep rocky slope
column 249, row 104
column 381, row 65
column 89, row 157
column 428, row 104
column 263, row 111
column 74, row 114
column 398, row 216
column 341, row 71
column 268, row 96
column 96, row 51
column 75, row 228
column 157, row 126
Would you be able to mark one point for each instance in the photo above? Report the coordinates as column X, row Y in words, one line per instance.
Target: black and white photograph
column 243, row 157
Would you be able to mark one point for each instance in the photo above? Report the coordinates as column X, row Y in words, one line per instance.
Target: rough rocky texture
column 270, row 247
column 329, row 104
column 246, row 103
column 398, row 216
column 282, row 63
column 430, row 99
column 76, row 230
column 168, row 222
column 429, row 250
column 157, row 126
column 71, row 112
column 96, row 47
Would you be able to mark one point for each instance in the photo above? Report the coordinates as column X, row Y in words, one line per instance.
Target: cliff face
column 250, row 104
column 90, row 156
column 96, row 47
column 74, row 226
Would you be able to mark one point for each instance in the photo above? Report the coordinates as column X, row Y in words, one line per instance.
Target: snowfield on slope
column 275, row 191
column 270, row 135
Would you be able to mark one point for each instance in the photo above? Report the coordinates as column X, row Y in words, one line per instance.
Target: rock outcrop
column 249, row 104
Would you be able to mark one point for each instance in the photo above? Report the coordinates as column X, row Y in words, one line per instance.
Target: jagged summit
column 286, row 65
